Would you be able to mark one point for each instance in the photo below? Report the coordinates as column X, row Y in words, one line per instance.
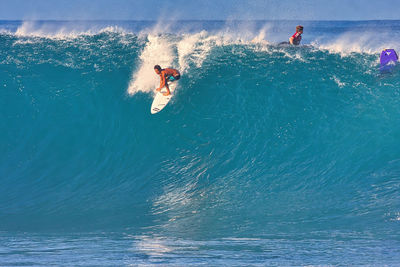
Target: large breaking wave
column 258, row 139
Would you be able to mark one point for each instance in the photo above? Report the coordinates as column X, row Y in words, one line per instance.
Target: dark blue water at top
column 266, row 154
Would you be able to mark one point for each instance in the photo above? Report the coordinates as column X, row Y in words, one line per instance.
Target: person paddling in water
column 296, row 38
column 166, row 75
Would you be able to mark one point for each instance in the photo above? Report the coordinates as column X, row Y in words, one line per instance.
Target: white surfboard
column 160, row 100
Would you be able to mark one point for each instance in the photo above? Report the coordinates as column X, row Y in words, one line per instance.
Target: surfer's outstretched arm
column 162, row 82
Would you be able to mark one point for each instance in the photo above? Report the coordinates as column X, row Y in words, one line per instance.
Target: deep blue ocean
column 267, row 155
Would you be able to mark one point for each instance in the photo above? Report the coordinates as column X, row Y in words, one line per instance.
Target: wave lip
column 344, row 38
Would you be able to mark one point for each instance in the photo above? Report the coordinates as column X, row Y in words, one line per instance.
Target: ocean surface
column 267, row 155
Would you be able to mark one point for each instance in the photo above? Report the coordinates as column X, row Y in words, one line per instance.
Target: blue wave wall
column 258, row 138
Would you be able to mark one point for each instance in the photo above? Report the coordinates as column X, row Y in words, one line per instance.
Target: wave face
column 260, row 142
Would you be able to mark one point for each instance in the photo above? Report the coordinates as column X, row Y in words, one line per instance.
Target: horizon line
column 191, row 20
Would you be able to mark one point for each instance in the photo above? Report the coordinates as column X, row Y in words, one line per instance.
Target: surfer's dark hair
column 157, row 67
column 299, row 27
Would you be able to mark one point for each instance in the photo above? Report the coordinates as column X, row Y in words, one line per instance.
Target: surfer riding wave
column 166, row 75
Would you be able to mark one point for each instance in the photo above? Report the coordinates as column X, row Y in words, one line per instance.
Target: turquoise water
column 266, row 155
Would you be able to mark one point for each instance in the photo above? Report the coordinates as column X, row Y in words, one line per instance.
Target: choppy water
column 266, row 154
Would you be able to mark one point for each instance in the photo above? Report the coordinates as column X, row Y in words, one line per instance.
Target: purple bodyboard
column 388, row 60
column 387, row 56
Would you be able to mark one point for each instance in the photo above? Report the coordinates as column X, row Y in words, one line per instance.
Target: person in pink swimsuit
column 296, row 38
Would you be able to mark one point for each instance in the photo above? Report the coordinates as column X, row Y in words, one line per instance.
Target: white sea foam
column 158, row 51
column 58, row 30
column 33, row 29
column 338, row 82
column 194, row 48
column 356, row 42
column 178, row 52
column 262, row 36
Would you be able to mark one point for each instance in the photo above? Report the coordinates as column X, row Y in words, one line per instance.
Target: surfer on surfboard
column 296, row 38
column 166, row 75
